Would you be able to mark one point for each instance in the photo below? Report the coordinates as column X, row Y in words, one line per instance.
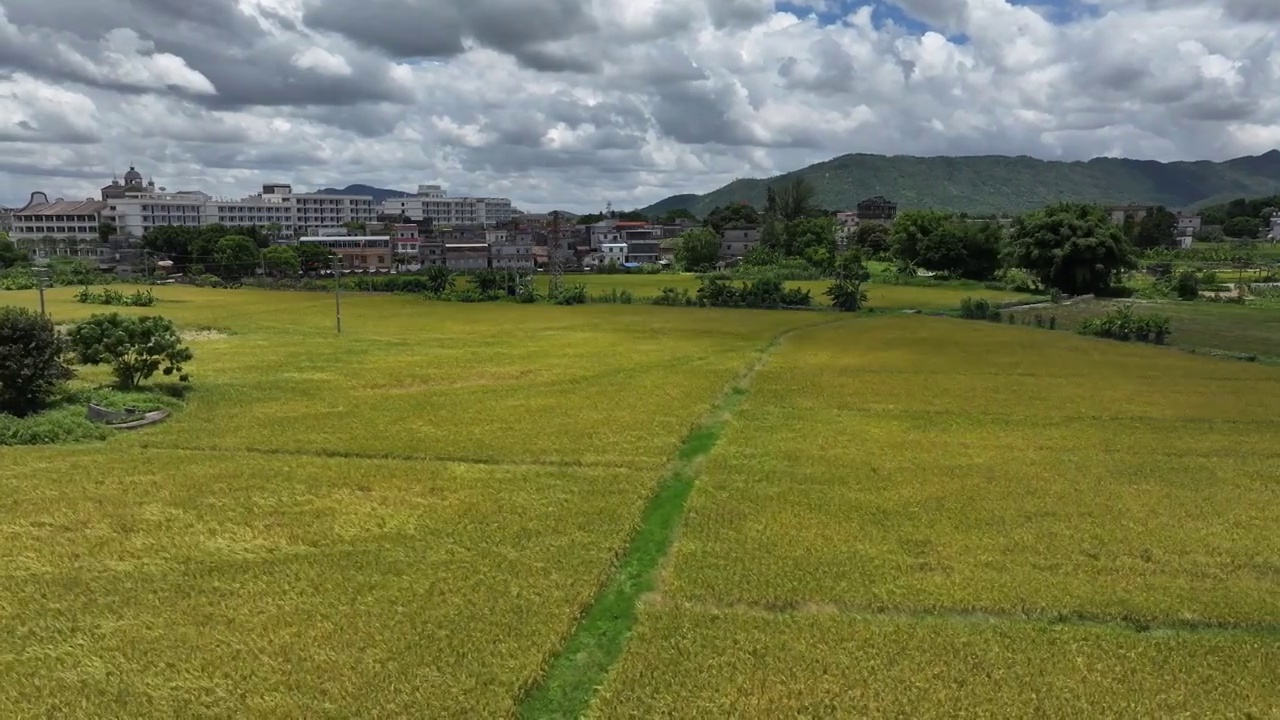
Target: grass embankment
column 65, row 420
column 922, row 516
column 1201, row 326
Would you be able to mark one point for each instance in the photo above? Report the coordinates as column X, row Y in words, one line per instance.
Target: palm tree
column 439, row 279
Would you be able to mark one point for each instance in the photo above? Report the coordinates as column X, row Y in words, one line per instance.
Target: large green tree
column 913, row 231
column 236, row 257
column 314, row 258
column 794, row 200
column 1074, row 247
column 733, row 215
column 281, row 261
column 698, row 249
column 872, row 238
column 1242, row 227
column 811, row 238
column 1157, row 228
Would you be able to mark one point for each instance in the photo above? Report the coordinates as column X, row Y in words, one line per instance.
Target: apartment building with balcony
column 431, row 202
column 359, row 253
column 511, row 254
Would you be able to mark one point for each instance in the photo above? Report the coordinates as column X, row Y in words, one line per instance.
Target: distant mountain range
column 379, row 194
column 996, row 184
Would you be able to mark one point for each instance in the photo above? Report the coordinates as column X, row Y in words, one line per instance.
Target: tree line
column 1073, row 247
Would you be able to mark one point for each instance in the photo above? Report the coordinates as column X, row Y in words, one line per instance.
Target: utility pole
column 337, row 291
column 556, row 284
column 42, row 276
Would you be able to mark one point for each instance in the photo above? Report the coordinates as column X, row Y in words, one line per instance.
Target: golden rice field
column 403, row 521
column 924, row 517
column 479, row 510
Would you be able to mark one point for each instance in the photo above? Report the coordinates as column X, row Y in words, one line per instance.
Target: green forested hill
column 997, row 184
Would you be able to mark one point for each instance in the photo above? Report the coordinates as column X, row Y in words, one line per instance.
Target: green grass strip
column 574, row 674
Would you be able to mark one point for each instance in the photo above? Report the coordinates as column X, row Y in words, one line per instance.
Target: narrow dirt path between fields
column 571, row 675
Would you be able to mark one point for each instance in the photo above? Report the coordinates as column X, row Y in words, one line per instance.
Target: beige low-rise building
column 357, row 253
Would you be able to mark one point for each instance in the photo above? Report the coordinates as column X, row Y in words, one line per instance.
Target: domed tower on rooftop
column 133, row 177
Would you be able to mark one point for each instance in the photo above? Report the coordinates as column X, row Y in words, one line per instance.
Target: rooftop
column 64, row 207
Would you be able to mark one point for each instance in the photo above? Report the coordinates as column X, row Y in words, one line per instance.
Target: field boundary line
column 573, row 673
column 1074, row 619
column 391, row 456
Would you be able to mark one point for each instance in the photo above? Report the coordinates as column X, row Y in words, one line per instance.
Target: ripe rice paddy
column 915, row 516
column 490, row 510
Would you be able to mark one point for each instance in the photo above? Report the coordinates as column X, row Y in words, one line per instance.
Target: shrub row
column 107, row 296
column 1122, row 323
column 766, row 292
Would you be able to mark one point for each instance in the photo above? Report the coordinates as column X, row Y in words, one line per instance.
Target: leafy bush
column 1185, row 285
column 32, row 366
column 528, row 294
column 1122, row 323
column 439, row 279
column 674, row 297
column 614, row 296
column 570, row 295
column 107, row 296
column 978, row 309
column 796, row 297
column 717, row 292
column 469, row 295
column 134, row 347
column 18, row 278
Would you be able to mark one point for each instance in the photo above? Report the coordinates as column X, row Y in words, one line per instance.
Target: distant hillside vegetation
column 378, row 194
column 996, row 184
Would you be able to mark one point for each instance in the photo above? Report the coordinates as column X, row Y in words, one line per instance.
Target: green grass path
column 574, row 673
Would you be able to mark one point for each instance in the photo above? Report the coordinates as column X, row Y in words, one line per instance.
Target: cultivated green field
column 491, row 510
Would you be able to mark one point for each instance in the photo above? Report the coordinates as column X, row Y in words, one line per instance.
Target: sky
column 573, row 104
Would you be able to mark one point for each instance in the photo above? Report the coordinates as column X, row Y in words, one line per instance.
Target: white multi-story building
column 432, row 203
column 277, row 205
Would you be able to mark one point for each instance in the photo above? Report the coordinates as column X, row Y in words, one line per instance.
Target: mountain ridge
column 378, row 194
column 987, row 184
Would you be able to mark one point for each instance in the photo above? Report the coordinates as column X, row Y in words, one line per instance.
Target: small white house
column 614, row 252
